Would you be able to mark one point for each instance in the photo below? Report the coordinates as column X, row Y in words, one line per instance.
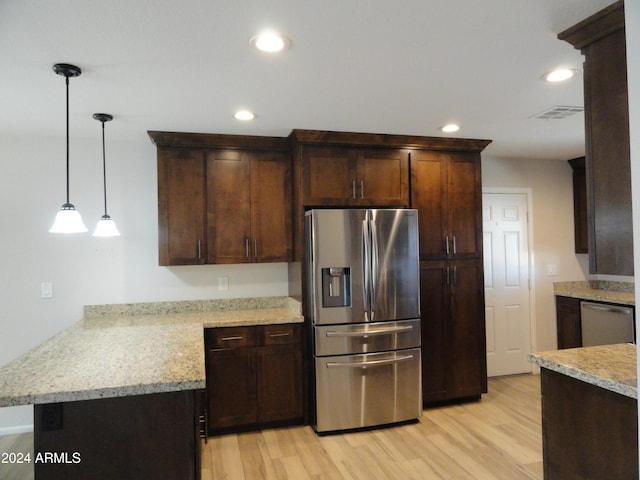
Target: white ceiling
column 403, row 67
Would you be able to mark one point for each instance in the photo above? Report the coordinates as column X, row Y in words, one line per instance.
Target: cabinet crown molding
column 216, row 140
column 595, row 27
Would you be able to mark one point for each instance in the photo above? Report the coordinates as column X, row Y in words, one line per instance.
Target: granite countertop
column 602, row 291
column 134, row 349
column 612, row 367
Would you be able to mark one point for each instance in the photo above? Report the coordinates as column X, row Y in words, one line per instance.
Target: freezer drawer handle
column 274, row 335
column 605, row 308
column 366, row 333
column 370, row 363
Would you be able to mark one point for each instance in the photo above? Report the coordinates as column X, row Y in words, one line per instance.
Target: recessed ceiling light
column 244, row 115
column 450, row 128
column 559, row 75
column 270, row 42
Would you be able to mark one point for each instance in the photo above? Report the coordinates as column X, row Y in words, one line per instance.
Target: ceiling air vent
column 558, row 112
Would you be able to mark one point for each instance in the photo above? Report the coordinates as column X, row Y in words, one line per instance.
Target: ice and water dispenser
column 336, row 287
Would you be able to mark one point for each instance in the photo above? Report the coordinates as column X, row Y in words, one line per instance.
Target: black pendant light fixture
column 106, row 226
column 68, row 220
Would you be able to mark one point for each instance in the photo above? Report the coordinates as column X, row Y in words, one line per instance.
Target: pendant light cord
column 67, row 82
column 104, row 172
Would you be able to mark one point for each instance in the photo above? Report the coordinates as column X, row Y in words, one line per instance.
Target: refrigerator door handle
column 366, row 268
column 374, row 266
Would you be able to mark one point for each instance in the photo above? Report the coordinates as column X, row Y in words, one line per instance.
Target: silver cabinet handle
column 353, row 189
column 227, row 339
column 366, row 333
column 447, row 244
column 275, row 335
column 455, row 275
column 361, row 188
column 246, row 247
column 369, row 363
column 255, row 247
column 454, row 245
column 199, row 250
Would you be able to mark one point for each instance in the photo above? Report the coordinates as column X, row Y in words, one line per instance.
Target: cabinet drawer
column 279, row 334
column 230, row 337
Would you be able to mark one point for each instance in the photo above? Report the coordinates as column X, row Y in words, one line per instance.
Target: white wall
column 551, row 187
column 86, row 270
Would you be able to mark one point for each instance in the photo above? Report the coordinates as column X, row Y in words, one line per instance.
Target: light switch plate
column 552, row 269
column 46, row 290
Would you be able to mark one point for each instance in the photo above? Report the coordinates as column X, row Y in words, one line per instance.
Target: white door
column 506, row 280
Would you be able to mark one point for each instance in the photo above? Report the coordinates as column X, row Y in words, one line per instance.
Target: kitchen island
column 116, row 394
column 589, row 412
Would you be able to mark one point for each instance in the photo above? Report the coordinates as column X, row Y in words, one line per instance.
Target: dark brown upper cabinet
column 223, row 198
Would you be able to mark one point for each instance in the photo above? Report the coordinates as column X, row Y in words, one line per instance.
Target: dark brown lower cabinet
column 453, row 330
column 153, row 436
column 254, row 376
column 588, row 432
column 569, row 329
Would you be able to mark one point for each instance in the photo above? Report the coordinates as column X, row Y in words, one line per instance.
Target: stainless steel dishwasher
column 604, row 324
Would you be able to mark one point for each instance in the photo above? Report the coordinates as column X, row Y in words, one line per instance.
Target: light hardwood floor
column 498, row 437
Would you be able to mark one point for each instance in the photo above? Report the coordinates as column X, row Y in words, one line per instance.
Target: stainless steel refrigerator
column 363, row 299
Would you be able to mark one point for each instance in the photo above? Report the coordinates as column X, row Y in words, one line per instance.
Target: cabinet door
column 434, row 308
column 279, row 377
column 228, row 207
column 327, row 176
column 181, row 207
column 382, row 178
column 464, row 200
column 231, row 386
column 271, row 236
column 467, row 338
column 568, row 322
column 428, row 188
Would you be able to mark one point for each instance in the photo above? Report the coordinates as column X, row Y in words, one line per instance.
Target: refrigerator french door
column 363, row 294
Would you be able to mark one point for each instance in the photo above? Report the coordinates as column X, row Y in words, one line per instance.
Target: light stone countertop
column 612, row 367
column 621, row 293
column 116, row 352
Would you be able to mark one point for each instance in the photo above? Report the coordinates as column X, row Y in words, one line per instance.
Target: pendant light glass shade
column 105, row 227
column 68, row 219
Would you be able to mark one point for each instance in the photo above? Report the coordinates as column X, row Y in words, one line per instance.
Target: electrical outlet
column 223, row 283
column 552, row 269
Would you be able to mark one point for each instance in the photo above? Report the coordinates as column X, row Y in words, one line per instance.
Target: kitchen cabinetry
column 601, row 38
column 139, row 436
column 254, row 376
column 345, row 176
column 582, row 424
column 248, row 207
column 447, row 191
column 223, row 199
column 181, row 206
column 580, row 220
column 453, row 330
column 569, row 331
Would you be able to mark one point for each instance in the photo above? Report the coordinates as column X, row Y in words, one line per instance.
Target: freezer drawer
column 354, row 391
column 366, row 337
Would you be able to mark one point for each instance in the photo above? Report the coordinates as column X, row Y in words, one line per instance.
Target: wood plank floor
column 498, row 437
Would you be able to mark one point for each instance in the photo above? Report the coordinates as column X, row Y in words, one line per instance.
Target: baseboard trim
column 16, row 429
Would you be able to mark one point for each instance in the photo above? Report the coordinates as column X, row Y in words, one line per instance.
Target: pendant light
column 68, row 219
column 106, row 227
